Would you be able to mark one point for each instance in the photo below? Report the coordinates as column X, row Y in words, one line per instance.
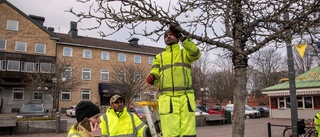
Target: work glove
column 151, row 78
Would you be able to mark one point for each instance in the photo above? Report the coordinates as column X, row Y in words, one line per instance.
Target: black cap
column 86, row 109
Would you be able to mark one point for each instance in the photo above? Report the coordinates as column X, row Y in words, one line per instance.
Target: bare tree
column 129, row 80
column 55, row 82
column 241, row 27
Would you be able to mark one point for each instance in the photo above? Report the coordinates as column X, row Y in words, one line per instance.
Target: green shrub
column 36, row 119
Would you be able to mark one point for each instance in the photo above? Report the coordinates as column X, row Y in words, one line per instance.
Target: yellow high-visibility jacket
column 173, row 66
column 316, row 121
column 76, row 133
column 126, row 124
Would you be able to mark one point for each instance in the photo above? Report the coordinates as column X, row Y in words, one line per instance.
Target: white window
column 45, row 67
column 281, row 103
column 121, row 76
column 104, row 75
column 29, row 67
column 86, row 74
column 137, row 77
column 22, row 66
column 17, row 94
column 87, row 54
column 40, row 48
column 66, row 95
column 67, row 51
column 152, row 95
column 85, row 94
column 308, row 102
column 67, row 73
column 137, row 96
column 3, row 44
column 37, row 95
column 37, row 67
column 137, row 59
column 3, row 65
column 121, row 57
column 12, row 25
column 13, row 65
column 150, row 60
column 21, row 46
column 104, row 55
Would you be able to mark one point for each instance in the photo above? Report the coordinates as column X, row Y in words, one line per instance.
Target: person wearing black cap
column 117, row 121
column 171, row 72
column 86, row 110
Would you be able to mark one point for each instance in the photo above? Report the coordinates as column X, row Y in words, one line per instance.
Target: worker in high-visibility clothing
column 171, row 71
column 316, row 122
column 86, row 110
column 117, row 121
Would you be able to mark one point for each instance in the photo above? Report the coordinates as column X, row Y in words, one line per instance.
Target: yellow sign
column 301, row 48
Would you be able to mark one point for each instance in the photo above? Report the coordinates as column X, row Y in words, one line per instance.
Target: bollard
column 58, row 122
column 269, row 129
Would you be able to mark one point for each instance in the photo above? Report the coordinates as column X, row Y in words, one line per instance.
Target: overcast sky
column 55, row 16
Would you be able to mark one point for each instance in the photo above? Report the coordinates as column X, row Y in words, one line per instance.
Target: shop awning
column 103, row 87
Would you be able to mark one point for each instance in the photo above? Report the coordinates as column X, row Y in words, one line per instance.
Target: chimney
column 51, row 29
column 134, row 42
column 39, row 20
column 73, row 32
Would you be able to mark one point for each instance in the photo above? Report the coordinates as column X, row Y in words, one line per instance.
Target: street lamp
column 57, row 92
column 204, row 91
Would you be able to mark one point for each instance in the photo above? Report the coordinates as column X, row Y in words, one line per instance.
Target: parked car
column 264, row 111
column 32, row 110
column 71, row 111
column 139, row 111
column 216, row 110
column 249, row 112
column 200, row 112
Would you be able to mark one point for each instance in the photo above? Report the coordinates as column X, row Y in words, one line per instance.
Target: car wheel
column 247, row 117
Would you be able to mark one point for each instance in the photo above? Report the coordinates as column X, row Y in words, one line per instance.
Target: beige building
column 26, row 46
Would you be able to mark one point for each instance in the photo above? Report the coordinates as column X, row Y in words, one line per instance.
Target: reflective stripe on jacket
column 126, row 125
column 173, row 66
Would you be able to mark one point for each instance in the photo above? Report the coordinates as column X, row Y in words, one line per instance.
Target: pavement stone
column 253, row 128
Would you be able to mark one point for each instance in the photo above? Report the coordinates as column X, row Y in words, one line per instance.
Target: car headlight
column 19, row 116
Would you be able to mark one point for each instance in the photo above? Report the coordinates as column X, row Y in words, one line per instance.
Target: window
column 137, row 59
column 150, row 60
column 3, row 65
column 299, row 102
column 137, row 77
column 85, row 95
column 17, row 94
column 121, row 57
column 122, row 76
column 45, row 67
column 22, row 66
column 37, row 95
column 21, row 46
column 87, row 54
column 137, row 96
column 66, row 95
column 104, row 75
column 67, row 73
column 281, row 103
column 37, row 67
column 308, row 102
column 152, row 95
column 3, row 44
column 29, row 67
column 67, row 51
column 12, row 25
column 104, row 55
column 86, row 74
column 288, row 105
column 13, row 65
column 40, row 48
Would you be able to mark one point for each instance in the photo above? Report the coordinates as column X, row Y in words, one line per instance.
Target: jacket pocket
column 165, row 106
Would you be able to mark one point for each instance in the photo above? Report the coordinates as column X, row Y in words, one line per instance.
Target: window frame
column 64, row 52
column 119, row 57
column 88, row 92
column 107, row 56
column 5, row 44
column 3, row 65
column 40, row 44
column 18, row 44
column 104, row 72
column 65, row 92
column 12, row 69
column 85, row 51
column 84, row 71
column 33, row 95
column 137, row 96
column 26, row 66
column 17, row 90
column 67, row 70
column 10, row 22
column 43, row 63
column 138, row 57
column 150, row 60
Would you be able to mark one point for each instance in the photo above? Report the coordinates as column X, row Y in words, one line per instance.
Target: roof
column 106, row 44
column 309, row 79
column 27, row 17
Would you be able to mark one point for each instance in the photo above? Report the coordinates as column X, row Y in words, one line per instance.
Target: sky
column 54, row 12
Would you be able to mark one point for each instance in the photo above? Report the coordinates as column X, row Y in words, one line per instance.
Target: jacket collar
column 173, row 47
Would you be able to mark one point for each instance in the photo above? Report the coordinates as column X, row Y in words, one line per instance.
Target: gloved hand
column 151, row 78
column 175, row 32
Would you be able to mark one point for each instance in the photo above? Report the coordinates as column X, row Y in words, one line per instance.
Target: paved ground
column 253, row 128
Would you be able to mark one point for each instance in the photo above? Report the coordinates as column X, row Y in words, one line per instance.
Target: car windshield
column 140, row 110
column 248, row 108
column 32, row 108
